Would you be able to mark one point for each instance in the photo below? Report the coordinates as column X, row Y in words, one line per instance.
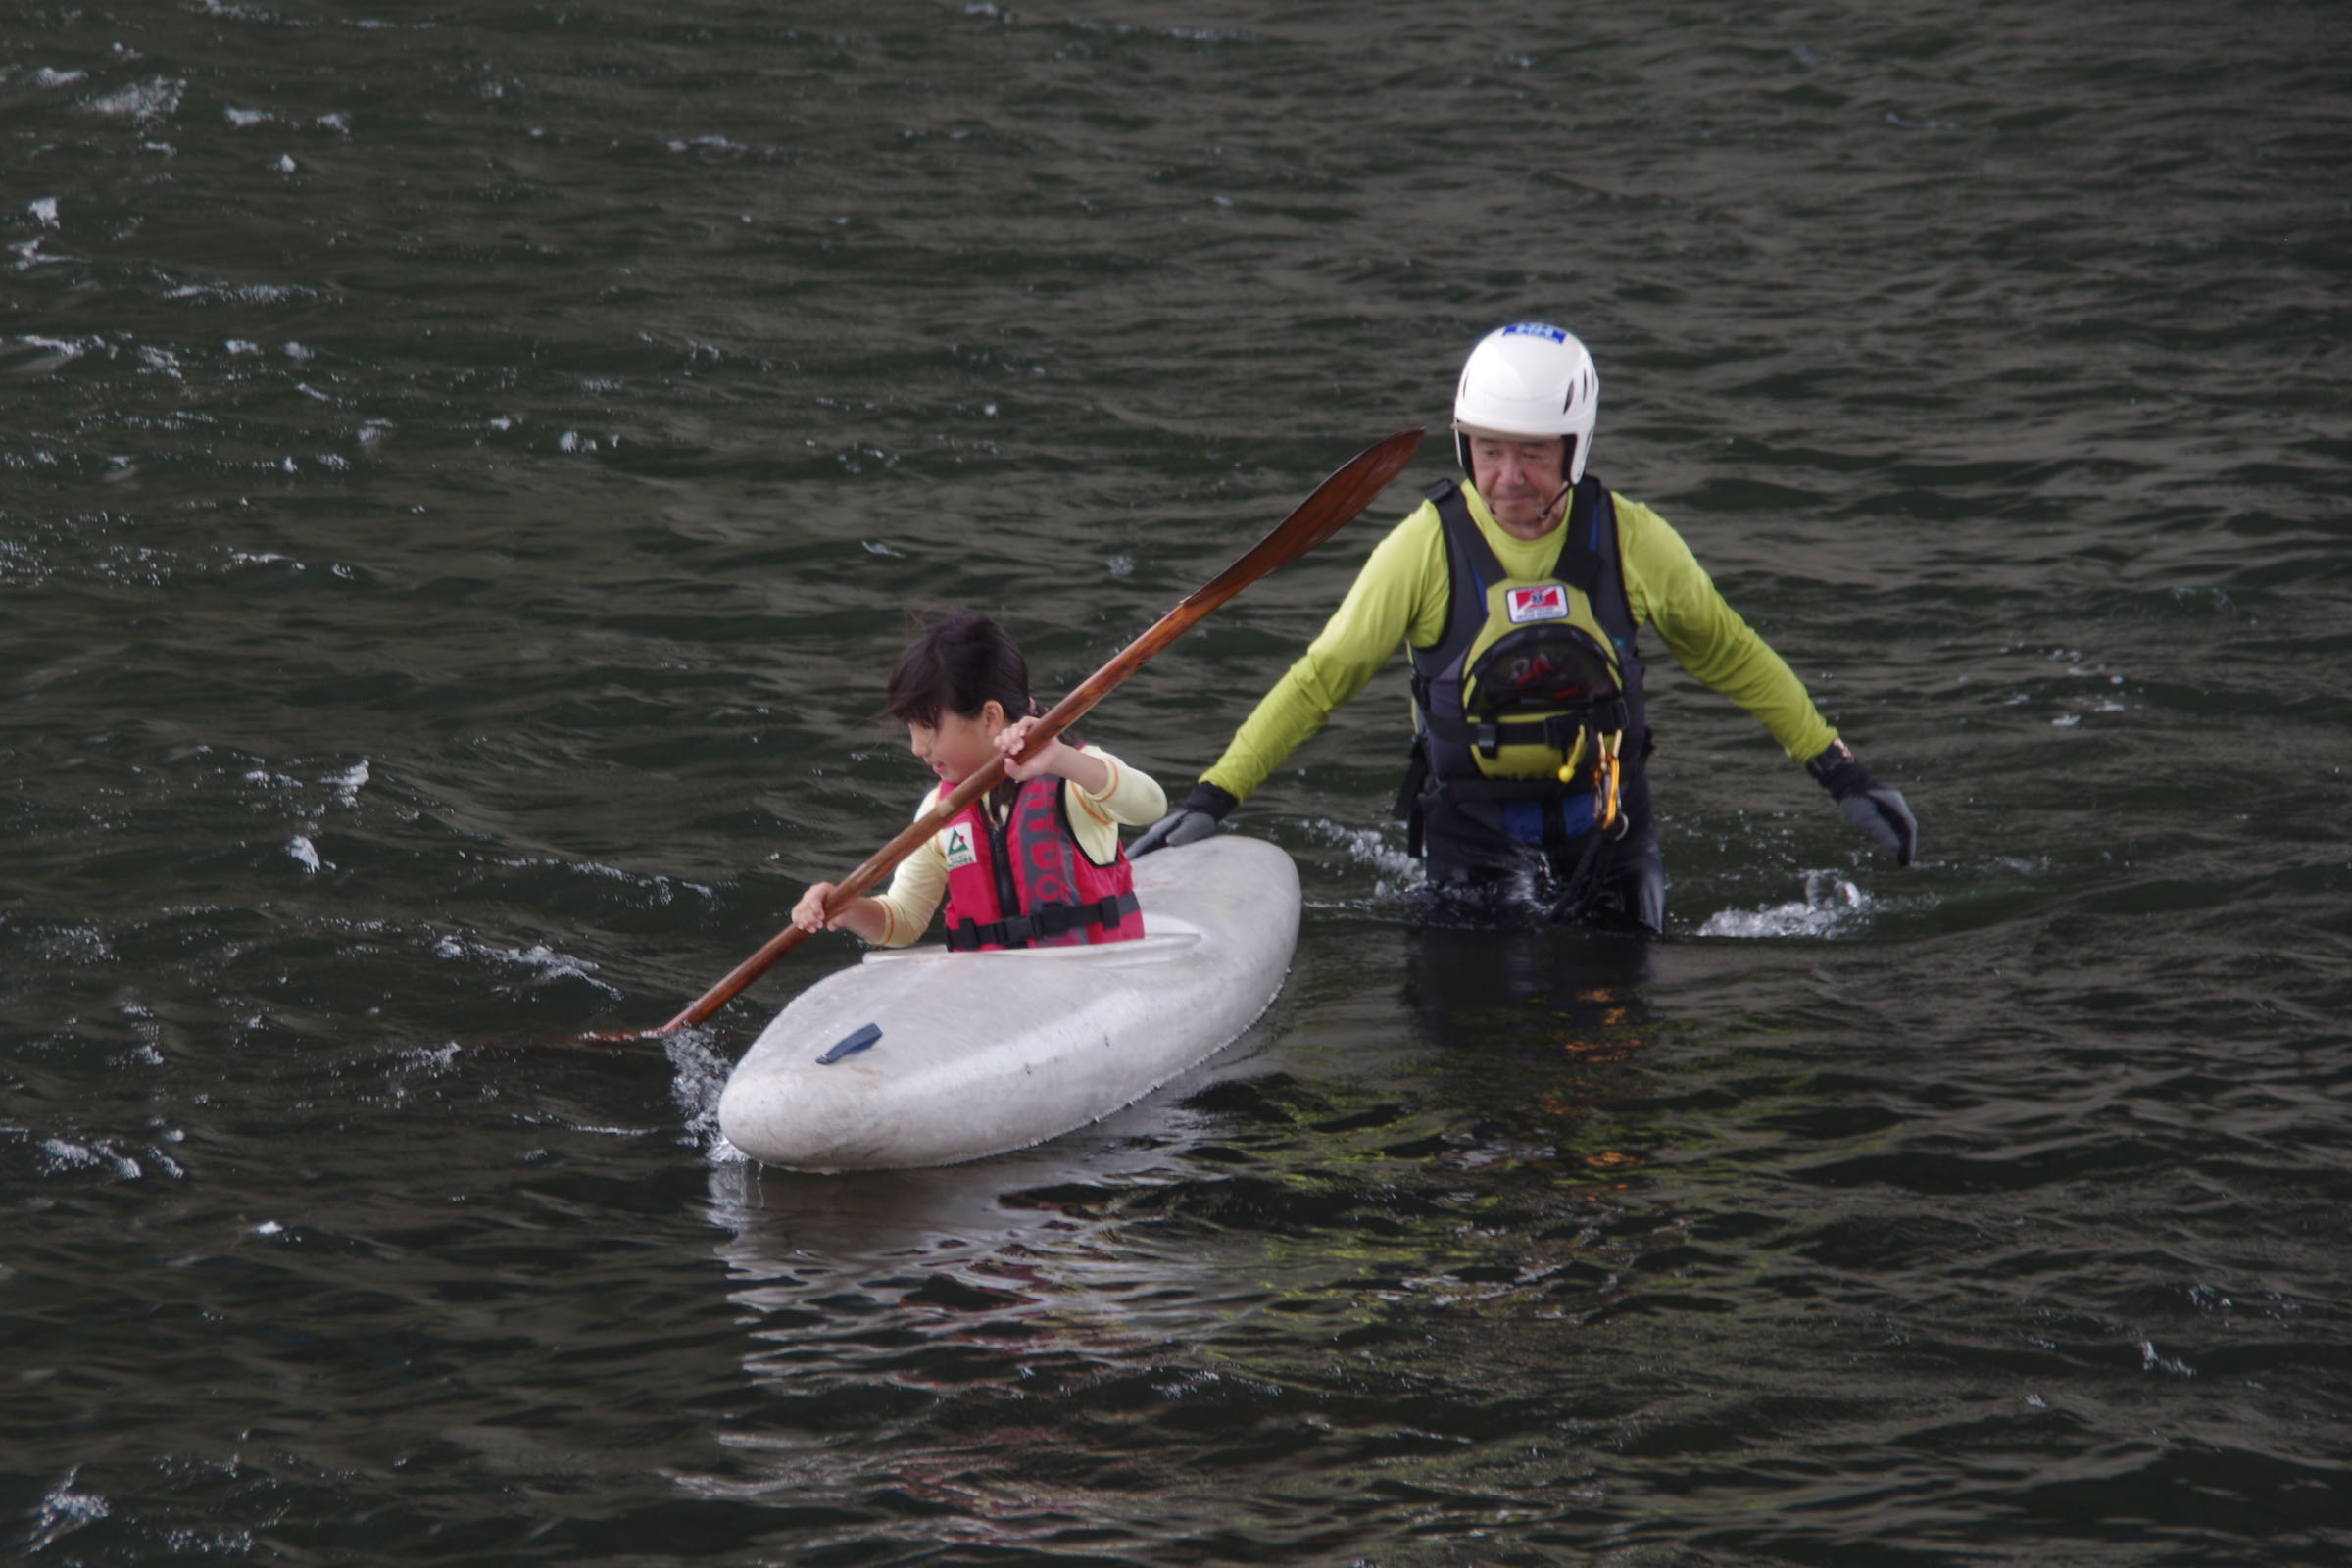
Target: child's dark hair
column 957, row 662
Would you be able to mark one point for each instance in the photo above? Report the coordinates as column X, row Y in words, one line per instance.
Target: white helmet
column 1528, row 382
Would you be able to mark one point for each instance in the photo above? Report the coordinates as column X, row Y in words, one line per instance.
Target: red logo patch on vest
column 1546, row 602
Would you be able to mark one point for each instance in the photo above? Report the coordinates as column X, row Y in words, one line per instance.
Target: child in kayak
column 1036, row 861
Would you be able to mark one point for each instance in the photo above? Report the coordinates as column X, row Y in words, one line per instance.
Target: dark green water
column 462, row 473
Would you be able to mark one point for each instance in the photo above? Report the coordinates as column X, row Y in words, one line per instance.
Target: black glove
column 1197, row 819
column 1872, row 807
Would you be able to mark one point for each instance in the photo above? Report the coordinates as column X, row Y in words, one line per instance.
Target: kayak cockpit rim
column 1143, row 950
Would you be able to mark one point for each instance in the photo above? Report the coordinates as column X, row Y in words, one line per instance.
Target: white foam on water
column 72, row 944
column 347, row 783
column 1396, row 872
column 305, row 853
column 47, row 353
column 141, row 101
column 65, row 1154
column 243, row 294
column 43, row 210
column 699, row 1075
column 664, row 889
column 541, row 959
column 1831, row 904
column 62, row 1513
column 438, row 1058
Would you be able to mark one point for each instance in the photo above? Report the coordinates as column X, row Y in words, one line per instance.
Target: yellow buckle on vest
column 1610, row 774
column 1568, row 762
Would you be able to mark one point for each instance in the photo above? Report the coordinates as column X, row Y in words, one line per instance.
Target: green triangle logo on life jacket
column 955, row 843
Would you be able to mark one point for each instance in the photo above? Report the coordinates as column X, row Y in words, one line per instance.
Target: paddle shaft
column 1335, row 502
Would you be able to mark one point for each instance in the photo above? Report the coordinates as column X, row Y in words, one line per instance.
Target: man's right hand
column 1197, row 819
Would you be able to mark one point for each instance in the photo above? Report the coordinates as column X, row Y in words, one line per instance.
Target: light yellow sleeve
column 1667, row 588
column 1132, row 797
column 915, row 888
column 1399, row 595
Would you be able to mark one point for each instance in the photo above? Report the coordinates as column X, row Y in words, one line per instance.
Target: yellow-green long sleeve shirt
column 1400, row 595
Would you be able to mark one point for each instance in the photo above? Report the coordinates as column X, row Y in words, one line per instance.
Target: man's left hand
column 1877, row 808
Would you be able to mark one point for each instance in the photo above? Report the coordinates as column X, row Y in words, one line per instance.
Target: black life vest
column 1526, row 679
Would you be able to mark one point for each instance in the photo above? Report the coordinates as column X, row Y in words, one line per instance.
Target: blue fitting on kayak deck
column 850, row 1044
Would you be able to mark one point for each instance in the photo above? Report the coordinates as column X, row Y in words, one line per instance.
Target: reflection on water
column 1526, row 1024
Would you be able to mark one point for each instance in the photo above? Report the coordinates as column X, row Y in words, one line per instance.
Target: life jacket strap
column 1490, row 733
column 1052, row 920
column 1540, row 791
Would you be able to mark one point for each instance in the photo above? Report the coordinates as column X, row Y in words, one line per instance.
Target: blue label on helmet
column 1540, row 330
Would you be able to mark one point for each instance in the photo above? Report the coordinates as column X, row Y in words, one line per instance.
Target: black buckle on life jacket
column 1409, row 809
column 1489, row 732
column 1020, row 930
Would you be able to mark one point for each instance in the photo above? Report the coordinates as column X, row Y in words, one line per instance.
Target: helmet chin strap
column 1567, row 461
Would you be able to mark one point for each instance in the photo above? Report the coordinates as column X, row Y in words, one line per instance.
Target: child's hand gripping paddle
column 1336, row 501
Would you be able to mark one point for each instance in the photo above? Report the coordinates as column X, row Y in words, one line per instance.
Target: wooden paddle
column 1336, row 501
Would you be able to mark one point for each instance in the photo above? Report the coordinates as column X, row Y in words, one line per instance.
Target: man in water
column 1518, row 595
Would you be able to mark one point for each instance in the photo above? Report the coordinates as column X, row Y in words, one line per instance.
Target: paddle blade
column 1351, row 487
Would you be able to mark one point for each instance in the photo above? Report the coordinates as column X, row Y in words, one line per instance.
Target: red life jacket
column 1027, row 884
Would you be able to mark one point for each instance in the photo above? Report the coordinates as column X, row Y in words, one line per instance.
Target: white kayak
column 919, row 1056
